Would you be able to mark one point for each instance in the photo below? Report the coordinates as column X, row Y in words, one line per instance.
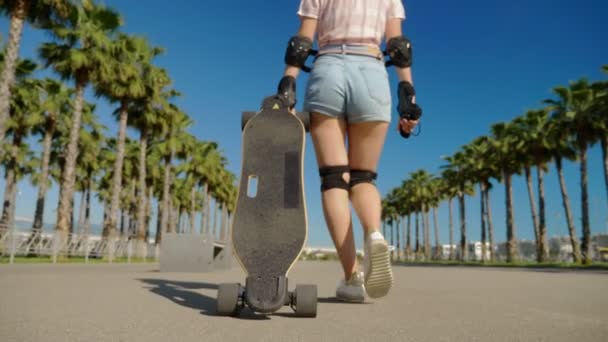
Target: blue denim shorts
column 352, row 87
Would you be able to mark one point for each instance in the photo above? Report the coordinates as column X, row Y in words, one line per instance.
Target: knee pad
column 332, row 177
column 362, row 176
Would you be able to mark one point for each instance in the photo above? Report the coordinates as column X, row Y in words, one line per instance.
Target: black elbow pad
column 298, row 50
column 399, row 49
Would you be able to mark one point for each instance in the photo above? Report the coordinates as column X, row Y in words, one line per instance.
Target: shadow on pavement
column 334, row 300
column 179, row 292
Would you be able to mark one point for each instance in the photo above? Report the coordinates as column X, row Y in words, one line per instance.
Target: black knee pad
column 332, row 177
column 362, row 176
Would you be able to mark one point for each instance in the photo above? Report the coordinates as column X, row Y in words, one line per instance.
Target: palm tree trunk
column 451, row 228
column 398, row 247
column 542, row 226
column 7, row 78
column 9, row 195
column 490, row 224
column 483, row 220
column 384, row 228
column 463, row 228
column 87, row 212
column 159, row 229
column 165, row 200
column 511, row 240
column 604, row 141
column 44, row 175
column 534, row 212
column 10, row 186
column 81, row 210
column 122, row 220
column 427, row 235
column 417, row 250
column 148, row 213
column 178, row 227
column 71, row 218
column 203, row 212
column 585, row 247
column 224, row 222
column 408, row 241
column 117, row 176
column 142, row 204
column 576, row 254
column 437, row 247
column 392, row 241
column 215, row 219
column 68, row 175
column 192, row 209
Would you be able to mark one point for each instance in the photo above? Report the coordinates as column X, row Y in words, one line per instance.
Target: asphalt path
column 137, row 303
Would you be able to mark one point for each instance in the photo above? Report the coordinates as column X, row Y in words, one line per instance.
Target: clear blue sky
column 477, row 62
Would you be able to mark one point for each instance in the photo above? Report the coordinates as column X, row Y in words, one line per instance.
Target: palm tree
column 37, row 12
column 126, row 84
column 574, row 106
column 533, row 130
column 24, row 116
column 174, row 139
column 482, row 168
column 600, row 112
column 89, row 164
column 145, row 115
column 79, row 55
column 457, row 174
column 507, row 149
column 55, row 104
column 422, row 194
column 450, row 191
column 436, row 197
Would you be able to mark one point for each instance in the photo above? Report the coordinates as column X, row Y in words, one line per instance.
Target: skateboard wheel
column 228, row 299
column 305, row 297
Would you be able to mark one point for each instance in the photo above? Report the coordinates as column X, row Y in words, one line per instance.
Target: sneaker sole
column 346, row 300
column 379, row 279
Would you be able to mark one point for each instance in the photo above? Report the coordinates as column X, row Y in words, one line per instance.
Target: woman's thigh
column 328, row 136
column 365, row 144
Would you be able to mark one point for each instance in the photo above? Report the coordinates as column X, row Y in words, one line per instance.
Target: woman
column 348, row 96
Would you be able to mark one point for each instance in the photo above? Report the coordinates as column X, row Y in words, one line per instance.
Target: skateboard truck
column 270, row 293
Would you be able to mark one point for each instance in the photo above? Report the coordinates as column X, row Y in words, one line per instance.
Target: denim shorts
column 352, row 87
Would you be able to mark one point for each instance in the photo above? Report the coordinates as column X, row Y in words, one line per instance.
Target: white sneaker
column 377, row 266
column 351, row 290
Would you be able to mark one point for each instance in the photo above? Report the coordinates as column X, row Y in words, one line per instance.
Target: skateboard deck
column 270, row 223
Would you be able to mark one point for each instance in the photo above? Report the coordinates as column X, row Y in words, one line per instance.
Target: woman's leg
column 365, row 143
column 328, row 136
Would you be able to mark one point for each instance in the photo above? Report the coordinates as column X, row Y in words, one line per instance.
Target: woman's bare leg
column 365, row 143
column 328, row 136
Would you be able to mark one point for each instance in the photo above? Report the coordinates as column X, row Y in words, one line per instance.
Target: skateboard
column 270, row 223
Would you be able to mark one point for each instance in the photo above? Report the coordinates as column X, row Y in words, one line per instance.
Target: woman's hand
column 406, row 126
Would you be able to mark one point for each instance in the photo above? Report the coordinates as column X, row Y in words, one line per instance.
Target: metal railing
column 55, row 245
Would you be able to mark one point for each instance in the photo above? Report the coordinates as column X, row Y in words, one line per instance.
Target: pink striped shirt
column 356, row 22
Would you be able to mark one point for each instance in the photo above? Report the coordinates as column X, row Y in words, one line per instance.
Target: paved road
column 137, row 303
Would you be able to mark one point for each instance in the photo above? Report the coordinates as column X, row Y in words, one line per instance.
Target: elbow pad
column 399, row 49
column 298, row 50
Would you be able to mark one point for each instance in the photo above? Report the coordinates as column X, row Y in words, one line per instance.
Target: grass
column 71, row 260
